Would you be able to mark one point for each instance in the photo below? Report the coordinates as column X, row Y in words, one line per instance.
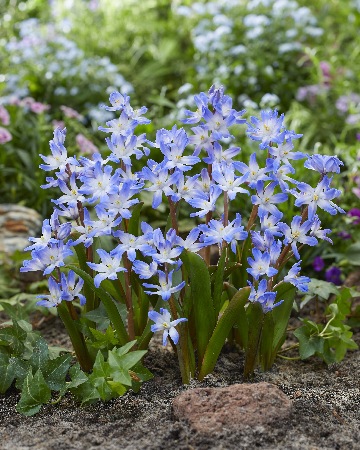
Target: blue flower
column 228, row 182
column 267, row 129
column 118, row 101
column 201, row 101
column 164, row 323
column 165, row 288
column 260, row 265
column 100, row 184
column 301, row 282
column 297, row 233
column 55, row 296
column 323, row 163
column 253, row 171
column 108, row 268
column 71, row 289
column 266, row 198
column 264, row 297
column 283, row 152
column 321, row 196
column 215, row 232
column 217, row 155
column 205, row 203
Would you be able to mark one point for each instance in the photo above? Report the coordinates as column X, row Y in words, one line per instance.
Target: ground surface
column 325, row 413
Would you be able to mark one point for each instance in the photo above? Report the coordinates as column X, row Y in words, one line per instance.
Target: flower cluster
column 201, row 168
column 47, row 52
column 229, row 36
column 5, row 135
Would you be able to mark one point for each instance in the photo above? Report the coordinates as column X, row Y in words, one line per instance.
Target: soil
column 325, row 412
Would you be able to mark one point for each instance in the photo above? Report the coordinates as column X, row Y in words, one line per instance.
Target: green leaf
column 219, row 282
column 266, row 342
column 117, row 387
column 222, row 331
column 86, row 392
column 21, row 369
column 241, row 325
column 40, row 355
column 99, row 316
column 98, row 377
column 134, row 221
column 203, row 307
column 109, row 304
column 281, row 314
column 125, row 348
column 308, row 344
column 322, row 288
column 7, row 373
column 14, row 336
column 256, row 318
column 34, row 393
column 55, row 371
column 118, row 372
column 104, row 340
column 353, row 254
column 130, row 359
column 77, row 376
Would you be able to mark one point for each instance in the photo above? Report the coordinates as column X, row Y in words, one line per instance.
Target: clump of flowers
column 230, row 36
column 155, row 277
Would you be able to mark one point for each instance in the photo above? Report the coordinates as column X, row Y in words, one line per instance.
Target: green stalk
column 256, row 319
column 182, row 347
column 222, row 331
column 67, row 314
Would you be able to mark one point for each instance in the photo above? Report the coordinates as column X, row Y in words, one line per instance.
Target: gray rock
column 209, row 410
column 17, row 224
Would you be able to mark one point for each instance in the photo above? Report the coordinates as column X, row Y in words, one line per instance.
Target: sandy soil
column 325, row 413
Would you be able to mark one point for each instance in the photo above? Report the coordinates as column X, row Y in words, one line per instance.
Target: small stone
column 298, row 394
column 17, row 224
column 209, row 410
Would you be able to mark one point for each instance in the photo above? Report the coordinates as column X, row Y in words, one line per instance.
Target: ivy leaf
column 21, row 368
column 77, row 376
column 125, row 348
column 130, row 359
column 40, row 355
column 118, row 372
column 7, row 373
column 55, row 371
column 98, row 316
column 13, row 336
column 309, row 344
column 86, row 392
column 117, row 387
column 104, row 340
column 35, row 392
column 101, row 371
column 322, row 288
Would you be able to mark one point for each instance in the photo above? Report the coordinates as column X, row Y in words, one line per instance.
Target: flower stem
column 69, row 317
column 128, row 298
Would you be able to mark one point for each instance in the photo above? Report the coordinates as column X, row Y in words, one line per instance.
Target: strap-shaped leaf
column 256, row 320
column 135, row 219
column 109, row 304
column 241, row 325
column 281, row 314
column 203, row 307
column 219, row 282
column 275, row 325
column 223, row 327
column 89, row 294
